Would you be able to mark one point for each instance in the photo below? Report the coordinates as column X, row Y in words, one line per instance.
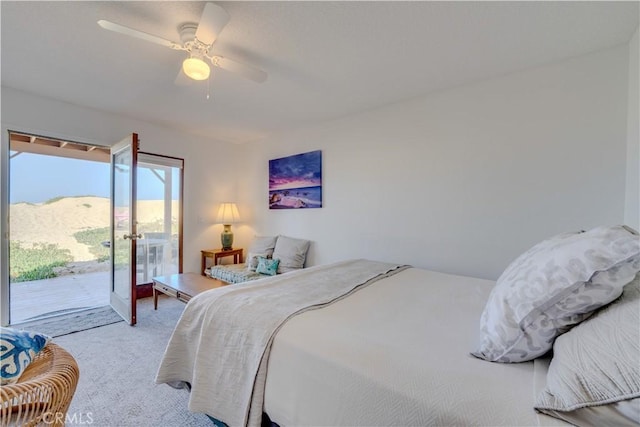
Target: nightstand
column 219, row 253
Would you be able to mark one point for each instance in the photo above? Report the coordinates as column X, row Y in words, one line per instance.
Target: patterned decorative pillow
column 267, row 266
column 252, row 260
column 554, row 285
column 597, row 363
column 17, row 350
column 291, row 252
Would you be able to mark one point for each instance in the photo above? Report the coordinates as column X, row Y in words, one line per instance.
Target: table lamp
column 227, row 214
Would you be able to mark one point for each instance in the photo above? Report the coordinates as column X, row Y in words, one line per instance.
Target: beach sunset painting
column 295, row 182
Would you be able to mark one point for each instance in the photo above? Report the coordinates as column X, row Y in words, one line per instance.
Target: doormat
column 73, row 322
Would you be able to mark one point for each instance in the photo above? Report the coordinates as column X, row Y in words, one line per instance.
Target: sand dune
column 57, row 221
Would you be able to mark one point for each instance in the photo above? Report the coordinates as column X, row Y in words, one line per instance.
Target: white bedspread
column 221, row 343
column 397, row 353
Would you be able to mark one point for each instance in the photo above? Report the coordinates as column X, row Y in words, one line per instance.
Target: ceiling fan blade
column 242, row 69
column 112, row 26
column 212, row 21
column 182, row 79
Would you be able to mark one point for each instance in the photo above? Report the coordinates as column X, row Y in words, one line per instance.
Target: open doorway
column 60, row 221
column 58, row 217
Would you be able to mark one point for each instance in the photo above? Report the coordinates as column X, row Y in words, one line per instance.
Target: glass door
column 159, row 216
column 124, row 233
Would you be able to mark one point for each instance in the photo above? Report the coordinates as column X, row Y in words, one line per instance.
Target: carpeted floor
column 66, row 324
column 118, row 364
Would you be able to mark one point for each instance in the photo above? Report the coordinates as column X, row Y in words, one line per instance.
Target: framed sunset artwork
column 295, row 182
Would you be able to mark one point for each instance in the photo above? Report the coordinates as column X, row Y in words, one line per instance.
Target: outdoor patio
column 64, row 294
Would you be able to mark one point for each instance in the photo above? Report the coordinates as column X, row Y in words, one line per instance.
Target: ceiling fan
column 197, row 40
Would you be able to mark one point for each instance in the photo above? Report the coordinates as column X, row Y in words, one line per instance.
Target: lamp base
column 226, row 238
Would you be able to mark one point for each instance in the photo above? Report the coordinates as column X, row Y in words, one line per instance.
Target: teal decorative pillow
column 17, row 350
column 267, row 266
column 252, row 260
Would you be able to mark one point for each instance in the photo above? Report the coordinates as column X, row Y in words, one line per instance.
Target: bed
column 392, row 347
column 404, row 360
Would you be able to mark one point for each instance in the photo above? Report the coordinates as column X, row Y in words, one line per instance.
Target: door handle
column 132, row 236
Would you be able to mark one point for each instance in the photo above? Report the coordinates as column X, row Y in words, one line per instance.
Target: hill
column 56, row 221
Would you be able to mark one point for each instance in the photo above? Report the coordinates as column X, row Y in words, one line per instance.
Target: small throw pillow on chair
column 17, row 350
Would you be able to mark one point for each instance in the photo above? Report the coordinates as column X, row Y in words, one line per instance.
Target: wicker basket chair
column 44, row 391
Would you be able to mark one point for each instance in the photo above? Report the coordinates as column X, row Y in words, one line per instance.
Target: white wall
column 459, row 181
column 208, row 164
column 463, row 180
column 632, row 199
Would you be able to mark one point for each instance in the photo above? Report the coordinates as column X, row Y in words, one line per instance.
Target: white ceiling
column 324, row 59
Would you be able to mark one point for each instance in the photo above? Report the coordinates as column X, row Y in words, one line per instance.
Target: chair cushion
column 232, row 273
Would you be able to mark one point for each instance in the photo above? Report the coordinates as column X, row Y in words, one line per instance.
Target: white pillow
column 553, row 286
column 291, row 252
column 597, row 362
column 261, row 246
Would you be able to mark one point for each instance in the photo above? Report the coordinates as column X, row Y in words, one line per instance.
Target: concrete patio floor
column 64, row 294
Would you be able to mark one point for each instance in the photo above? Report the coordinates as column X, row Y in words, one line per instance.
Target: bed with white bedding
column 396, row 353
column 368, row 343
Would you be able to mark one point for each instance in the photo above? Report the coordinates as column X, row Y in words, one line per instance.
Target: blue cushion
column 267, row 266
column 17, row 350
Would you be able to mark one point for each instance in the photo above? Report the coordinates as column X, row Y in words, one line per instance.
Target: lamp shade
column 228, row 214
column 196, row 68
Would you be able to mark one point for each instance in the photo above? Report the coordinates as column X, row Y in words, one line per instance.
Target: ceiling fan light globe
column 196, row 68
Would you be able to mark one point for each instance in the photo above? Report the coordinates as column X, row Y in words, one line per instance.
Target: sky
column 300, row 170
column 36, row 178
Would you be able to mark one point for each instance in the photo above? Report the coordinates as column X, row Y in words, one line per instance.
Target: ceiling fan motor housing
column 191, row 44
column 188, row 32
